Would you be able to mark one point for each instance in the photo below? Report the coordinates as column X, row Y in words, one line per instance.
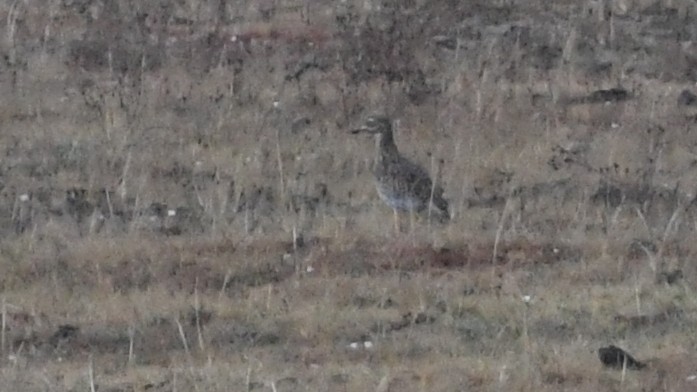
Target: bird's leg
column 396, row 222
column 412, row 221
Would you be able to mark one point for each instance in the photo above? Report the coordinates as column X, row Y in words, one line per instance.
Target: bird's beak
column 362, row 129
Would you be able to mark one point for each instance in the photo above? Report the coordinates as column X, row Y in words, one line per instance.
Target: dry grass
column 182, row 208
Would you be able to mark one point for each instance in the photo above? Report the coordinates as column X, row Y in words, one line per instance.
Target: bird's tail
column 442, row 206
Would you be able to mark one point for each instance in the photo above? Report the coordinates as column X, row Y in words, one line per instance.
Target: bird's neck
column 387, row 150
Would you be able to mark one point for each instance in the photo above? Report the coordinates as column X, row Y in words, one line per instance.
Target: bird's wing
column 417, row 176
column 421, row 184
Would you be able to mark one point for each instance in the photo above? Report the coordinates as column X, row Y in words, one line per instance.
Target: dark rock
column 616, row 94
column 669, row 277
column 63, row 333
column 687, row 98
column 445, row 41
column 616, row 358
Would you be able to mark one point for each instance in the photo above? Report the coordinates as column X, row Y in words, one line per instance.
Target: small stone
column 615, row 357
column 687, row 98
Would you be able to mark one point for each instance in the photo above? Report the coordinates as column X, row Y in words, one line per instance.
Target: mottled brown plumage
column 401, row 183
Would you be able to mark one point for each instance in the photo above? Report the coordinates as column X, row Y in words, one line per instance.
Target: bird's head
column 374, row 125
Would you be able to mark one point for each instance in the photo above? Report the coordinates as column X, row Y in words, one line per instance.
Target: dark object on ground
column 670, row 277
column 64, row 333
column 445, row 41
column 616, row 358
column 616, row 94
column 687, row 98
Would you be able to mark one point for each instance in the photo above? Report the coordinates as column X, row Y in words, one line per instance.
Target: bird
column 402, row 184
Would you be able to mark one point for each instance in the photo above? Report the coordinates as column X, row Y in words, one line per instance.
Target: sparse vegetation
column 183, row 209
